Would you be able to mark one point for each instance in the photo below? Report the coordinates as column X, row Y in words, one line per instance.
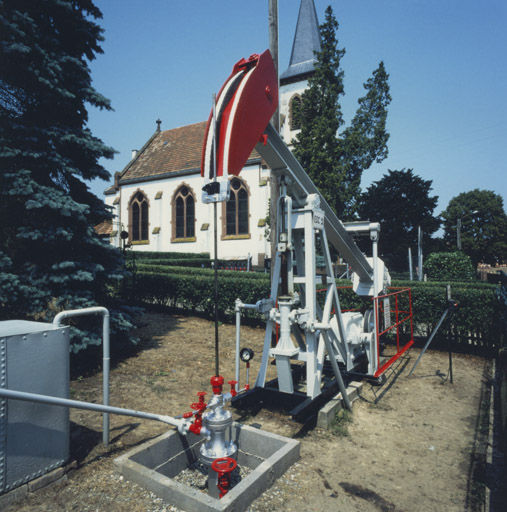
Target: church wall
column 159, row 194
column 287, row 92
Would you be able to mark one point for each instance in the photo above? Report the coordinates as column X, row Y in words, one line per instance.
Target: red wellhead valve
column 217, row 381
column 199, row 406
column 224, row 467
column 233, row 383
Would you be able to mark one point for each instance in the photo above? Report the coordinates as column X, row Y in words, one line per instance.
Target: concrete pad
column 154, row 465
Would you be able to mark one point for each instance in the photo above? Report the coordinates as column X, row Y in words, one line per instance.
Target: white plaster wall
column 160, row 215
column 286, row 93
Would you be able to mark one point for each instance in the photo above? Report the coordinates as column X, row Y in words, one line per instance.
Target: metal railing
column 401, row 316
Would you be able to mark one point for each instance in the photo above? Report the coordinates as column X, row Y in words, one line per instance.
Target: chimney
column 134, row 153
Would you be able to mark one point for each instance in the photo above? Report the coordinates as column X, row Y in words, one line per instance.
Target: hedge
column 182, row 270
column 474, row 326
column 195, row 293
column 149, row 255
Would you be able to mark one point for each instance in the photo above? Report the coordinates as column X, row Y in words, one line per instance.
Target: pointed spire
column 306, row 43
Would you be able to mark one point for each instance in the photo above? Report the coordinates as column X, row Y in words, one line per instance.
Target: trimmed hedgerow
column 476, row 324
column 194, row 292
column 180, row 270
column 149, row 255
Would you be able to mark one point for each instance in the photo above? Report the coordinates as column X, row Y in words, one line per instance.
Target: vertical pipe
column 451, row 380
column 419, row 253
column 106, row 362
column 410, row 264
column 273, row 48
column 105, row 354
column 238, row 330
column 215, row 233
column 376, row 356
column 397, row 324
column 275, row 121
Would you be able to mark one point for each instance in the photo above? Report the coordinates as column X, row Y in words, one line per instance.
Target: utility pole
column 419, row 254
column 275, row 121
column 273, row 48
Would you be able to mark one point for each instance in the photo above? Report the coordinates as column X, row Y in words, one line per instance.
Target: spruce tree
column 50, row 256
column 334, row 157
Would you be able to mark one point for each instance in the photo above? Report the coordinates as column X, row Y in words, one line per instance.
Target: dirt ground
column 408, row 447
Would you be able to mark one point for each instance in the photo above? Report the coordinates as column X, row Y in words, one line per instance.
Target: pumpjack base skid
column 297, row 404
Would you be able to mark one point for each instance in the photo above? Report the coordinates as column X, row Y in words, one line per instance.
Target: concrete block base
column 155, row 464
column 328, row 413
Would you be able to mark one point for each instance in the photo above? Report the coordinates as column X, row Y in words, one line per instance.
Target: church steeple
column 294, row 80
column 306, row 43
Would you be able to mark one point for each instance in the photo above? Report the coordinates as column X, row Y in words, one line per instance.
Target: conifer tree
column 50, row 256
column 335, row 158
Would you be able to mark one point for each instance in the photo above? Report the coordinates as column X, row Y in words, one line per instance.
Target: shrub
column 449, row 266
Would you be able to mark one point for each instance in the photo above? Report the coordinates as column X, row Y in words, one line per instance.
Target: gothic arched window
column 236, row 210
column 183, row 211
column 138, row 218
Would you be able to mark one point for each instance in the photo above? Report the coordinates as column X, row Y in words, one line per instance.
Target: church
column 156, row 199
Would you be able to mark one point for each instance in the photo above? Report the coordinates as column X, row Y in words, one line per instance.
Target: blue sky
column 447, row 61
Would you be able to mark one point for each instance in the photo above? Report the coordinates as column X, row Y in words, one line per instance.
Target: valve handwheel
column 224, row 467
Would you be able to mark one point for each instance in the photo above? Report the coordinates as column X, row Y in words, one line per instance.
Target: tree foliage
column 336, row 161
column 483, row 225
column 50, row 256
column 401, row 202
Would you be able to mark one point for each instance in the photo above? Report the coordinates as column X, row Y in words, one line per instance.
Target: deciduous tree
column 401, row 202
column 483, row 225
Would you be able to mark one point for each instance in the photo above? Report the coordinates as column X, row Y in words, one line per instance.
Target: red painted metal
column 217, row 381
column 200, row 407
column 405, row 317
column 245, row 104
column 233, row 383
column 224, row 467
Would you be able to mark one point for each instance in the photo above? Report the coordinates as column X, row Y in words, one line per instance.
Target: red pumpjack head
column 245, row 104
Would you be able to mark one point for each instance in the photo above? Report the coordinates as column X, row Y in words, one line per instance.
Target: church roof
column 166, row 152
column 306, row 43
column 169, row 153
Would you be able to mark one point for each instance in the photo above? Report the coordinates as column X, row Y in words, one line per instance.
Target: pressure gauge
column 246, row 354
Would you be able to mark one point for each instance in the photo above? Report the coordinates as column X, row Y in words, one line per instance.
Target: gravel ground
column 407, row 447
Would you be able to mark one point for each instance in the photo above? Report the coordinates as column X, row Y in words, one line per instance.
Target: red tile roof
column 169, row 151
column 104, row 228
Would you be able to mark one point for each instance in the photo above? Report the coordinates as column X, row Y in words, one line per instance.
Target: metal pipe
column 76, row 404
column 106, row 358
column 238, row 333
column 435, row 330
column 337, row 373
column 215, row 236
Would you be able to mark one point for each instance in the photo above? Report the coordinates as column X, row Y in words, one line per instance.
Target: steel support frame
column 302, row 315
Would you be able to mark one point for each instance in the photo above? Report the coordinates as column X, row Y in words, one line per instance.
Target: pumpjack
column 310, row 331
